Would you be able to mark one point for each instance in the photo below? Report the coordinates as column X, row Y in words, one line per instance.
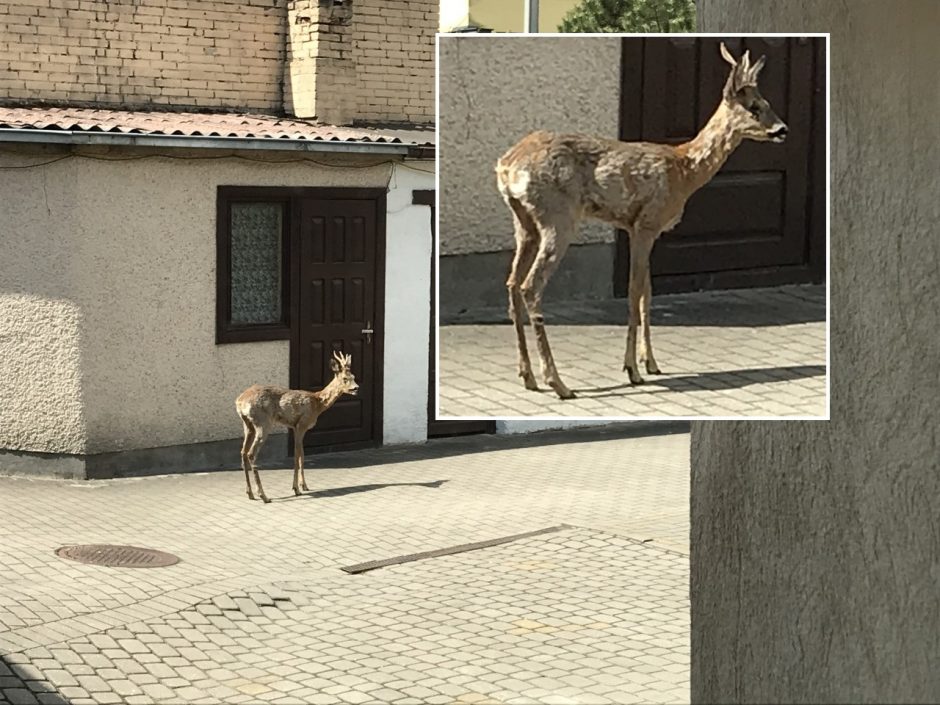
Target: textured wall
column 394, row 54
column 123, row 254
column 202, row 53
column 221, row 54
column 407, row 308
column 493, row 91
column 816, row 545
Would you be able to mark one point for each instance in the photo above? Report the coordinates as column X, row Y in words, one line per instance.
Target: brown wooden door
column 436, row 427
column 751, row 225
column 339, row 301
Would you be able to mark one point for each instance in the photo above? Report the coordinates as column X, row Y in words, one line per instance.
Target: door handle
column 367, row 332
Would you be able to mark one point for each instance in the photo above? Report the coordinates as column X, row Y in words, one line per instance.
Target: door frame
column 436, row 427
column 378, row 196
column 814, row 268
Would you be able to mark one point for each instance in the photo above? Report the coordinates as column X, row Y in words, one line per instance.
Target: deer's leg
column 646, row 350
column 300, row 482
column 260, row 436
column 303, row 478
column 640, row 247
column 246, row 444
column 527, row 238
column 552, row 247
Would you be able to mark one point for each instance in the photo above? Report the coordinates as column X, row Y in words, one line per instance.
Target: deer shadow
column 706, row 381
column 356, row 489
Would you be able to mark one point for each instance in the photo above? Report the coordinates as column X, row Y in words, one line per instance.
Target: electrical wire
column 231, row 155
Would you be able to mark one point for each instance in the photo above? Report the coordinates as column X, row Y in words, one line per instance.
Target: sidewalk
column 258, row 609
column 745, row 352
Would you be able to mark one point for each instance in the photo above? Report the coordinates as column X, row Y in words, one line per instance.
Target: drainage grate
column 117, row 556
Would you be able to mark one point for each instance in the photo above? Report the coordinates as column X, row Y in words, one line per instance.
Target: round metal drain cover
column 117, row 556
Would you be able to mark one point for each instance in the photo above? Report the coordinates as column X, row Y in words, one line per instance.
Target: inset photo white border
column 511, row 92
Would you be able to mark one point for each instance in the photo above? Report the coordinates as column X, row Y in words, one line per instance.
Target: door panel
column 338, row 271
column 754, row 214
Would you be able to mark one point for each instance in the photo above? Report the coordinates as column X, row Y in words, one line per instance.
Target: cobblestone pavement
column 741, row 353
column 258, row 609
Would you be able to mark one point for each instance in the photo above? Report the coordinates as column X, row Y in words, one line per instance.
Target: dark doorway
column 760, row 221
column 436, row 427
column 338, row 297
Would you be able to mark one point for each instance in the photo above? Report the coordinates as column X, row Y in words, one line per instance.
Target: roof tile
column 205, row 124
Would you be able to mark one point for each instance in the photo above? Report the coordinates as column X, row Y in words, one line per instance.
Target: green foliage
column 630, row 16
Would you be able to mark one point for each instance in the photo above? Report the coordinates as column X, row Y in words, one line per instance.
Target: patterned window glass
column 257, row 229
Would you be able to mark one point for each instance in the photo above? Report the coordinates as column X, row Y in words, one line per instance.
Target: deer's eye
column 754, row 110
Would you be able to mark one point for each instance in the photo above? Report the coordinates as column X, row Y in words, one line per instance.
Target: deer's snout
column 353, row 390
column 778, row 133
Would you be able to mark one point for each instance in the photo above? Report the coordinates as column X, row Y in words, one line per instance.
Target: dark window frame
column 225, row 330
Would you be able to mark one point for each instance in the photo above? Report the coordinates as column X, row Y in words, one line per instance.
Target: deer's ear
column 755, row 69
column 334, row 365
column 726, row 55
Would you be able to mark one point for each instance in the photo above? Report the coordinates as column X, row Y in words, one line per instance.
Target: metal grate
column 117, row 556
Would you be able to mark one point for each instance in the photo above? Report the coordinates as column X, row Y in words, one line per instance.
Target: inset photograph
column 632, row 226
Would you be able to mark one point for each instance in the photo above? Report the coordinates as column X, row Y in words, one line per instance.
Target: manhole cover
column 117, row 556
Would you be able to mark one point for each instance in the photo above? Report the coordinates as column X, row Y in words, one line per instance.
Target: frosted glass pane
column 257, row 229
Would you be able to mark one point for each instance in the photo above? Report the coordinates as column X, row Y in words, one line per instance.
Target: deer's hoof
column 251, row 496
column 653, row 369
column 265, row 499
column 304, row 487
column 528, row 379
column 296, row 492
column 635, row 377
column 563, row 392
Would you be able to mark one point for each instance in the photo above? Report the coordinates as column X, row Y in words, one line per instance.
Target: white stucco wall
column 107, row 301
column 525, row 426
column 407, row 306
column 493, row 91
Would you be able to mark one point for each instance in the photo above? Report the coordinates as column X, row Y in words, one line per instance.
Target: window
column 252, row 276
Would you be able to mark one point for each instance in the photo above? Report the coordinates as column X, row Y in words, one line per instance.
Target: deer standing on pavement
column 261, row 408
column 552, row 181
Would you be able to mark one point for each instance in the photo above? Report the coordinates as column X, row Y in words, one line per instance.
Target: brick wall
column 395, row 58
column 167, row 53
column 222, row 54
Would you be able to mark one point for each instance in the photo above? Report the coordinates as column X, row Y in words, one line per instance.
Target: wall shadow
column 22, row 682
column 442, row 448
column 746, row 308
column 705, row 381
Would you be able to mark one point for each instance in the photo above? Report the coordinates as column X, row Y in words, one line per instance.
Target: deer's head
column 342, row 373
column 752, row 115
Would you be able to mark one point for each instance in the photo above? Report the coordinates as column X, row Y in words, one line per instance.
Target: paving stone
column 773, row 344
column 19, row 696
column 591, row 599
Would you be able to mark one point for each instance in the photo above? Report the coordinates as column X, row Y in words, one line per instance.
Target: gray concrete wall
column 816, row 545
column 493, row 91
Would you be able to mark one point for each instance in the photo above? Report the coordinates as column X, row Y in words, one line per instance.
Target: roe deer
column 552, row 181
column 261, row 408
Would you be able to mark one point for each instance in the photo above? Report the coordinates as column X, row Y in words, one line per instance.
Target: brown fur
column 262, row 407
column 552, row 181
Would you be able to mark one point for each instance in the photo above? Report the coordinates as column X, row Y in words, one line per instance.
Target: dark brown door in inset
column 339, row 309
column 751, row 223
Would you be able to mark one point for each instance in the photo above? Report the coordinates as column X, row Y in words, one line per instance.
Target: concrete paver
column 741, row 353
column 259, row 611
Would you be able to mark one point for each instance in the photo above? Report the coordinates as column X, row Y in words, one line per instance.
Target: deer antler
column 344, row 360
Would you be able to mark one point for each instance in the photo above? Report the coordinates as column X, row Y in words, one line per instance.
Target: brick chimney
column 320, row 81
